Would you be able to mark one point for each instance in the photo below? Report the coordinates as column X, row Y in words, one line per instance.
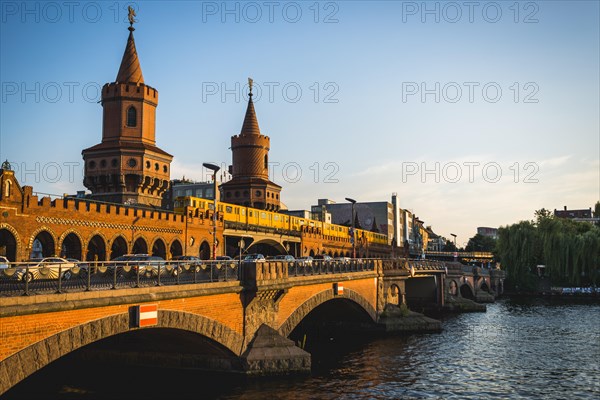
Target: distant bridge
column 466, row 256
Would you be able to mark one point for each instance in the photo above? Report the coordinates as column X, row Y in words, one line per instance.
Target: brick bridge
column 247, row 320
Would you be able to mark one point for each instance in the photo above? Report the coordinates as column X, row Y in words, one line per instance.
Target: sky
column 474, row 113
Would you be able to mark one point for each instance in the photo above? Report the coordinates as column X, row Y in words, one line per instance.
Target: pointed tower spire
column 250, row 126
column 130, row 70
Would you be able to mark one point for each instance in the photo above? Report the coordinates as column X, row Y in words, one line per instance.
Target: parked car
column 147, row 265
column 342, row 260
column 285, row 257
column 4, row 263
column 257, row 257
column 323, row 257
column 45, row 268
column 305, row 261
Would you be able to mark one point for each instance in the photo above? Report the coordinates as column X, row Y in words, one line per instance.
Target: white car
column 305, row 261
column 254, row 258
column 45, row 268
column 4, row 263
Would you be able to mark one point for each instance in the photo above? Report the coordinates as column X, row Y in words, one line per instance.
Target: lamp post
column 214, row 168
column 353, row 235
column 455, row 248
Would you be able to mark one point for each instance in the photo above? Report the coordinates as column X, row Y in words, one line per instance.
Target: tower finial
column 250, row 83
column 131, row 14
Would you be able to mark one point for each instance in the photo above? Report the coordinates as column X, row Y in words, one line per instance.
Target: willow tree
column 570, row 250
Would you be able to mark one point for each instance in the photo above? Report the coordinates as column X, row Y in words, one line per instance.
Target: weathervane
column 250, row 82
column 131, row 16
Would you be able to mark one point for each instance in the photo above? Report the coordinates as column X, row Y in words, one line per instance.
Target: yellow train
column 251, row 216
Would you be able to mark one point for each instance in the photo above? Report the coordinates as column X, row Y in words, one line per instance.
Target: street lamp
column 455, row 248
column 214, row 168
column 353, row 235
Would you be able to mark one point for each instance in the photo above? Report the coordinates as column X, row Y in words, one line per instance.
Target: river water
column 521, row 349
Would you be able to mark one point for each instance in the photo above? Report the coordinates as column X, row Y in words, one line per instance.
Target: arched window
column 7, row 185
column 131, row 116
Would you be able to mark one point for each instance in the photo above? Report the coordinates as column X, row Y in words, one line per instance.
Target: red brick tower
column 250, row 184
column 127, row 167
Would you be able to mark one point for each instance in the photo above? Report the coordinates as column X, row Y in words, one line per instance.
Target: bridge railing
column 412, row 263
column 58, row 277
column 323, row 267
column 276, row 270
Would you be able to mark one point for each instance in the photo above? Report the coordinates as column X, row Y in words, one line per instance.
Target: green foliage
column 570, row 250
column 481, row 243
column 404, row 311
column 449, row 246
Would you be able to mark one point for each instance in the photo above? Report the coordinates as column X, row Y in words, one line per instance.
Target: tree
column 449, row 246
column 570, row 250
column 481, row 243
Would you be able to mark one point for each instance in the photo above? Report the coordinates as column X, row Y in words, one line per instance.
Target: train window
column 243, row 211
column 228, row 209
column 249, row 213
column 312, row 223
column 263, row 215
column 211, row 206
column 276, row 217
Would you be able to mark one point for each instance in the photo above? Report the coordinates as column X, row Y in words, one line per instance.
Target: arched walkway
column 43, row 245
column 159, row 249
column 118, row 247
column 71, row 247
column 204, row 251
column 140, row 246
column 175, row 249
column 96, row 249
column 8, row 245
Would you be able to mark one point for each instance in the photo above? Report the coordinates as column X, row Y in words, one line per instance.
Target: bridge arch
column 276, row 245
column 466, row 291
column 47, row 350
column 303, row 310
column 483, row 285
column 9, row 241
